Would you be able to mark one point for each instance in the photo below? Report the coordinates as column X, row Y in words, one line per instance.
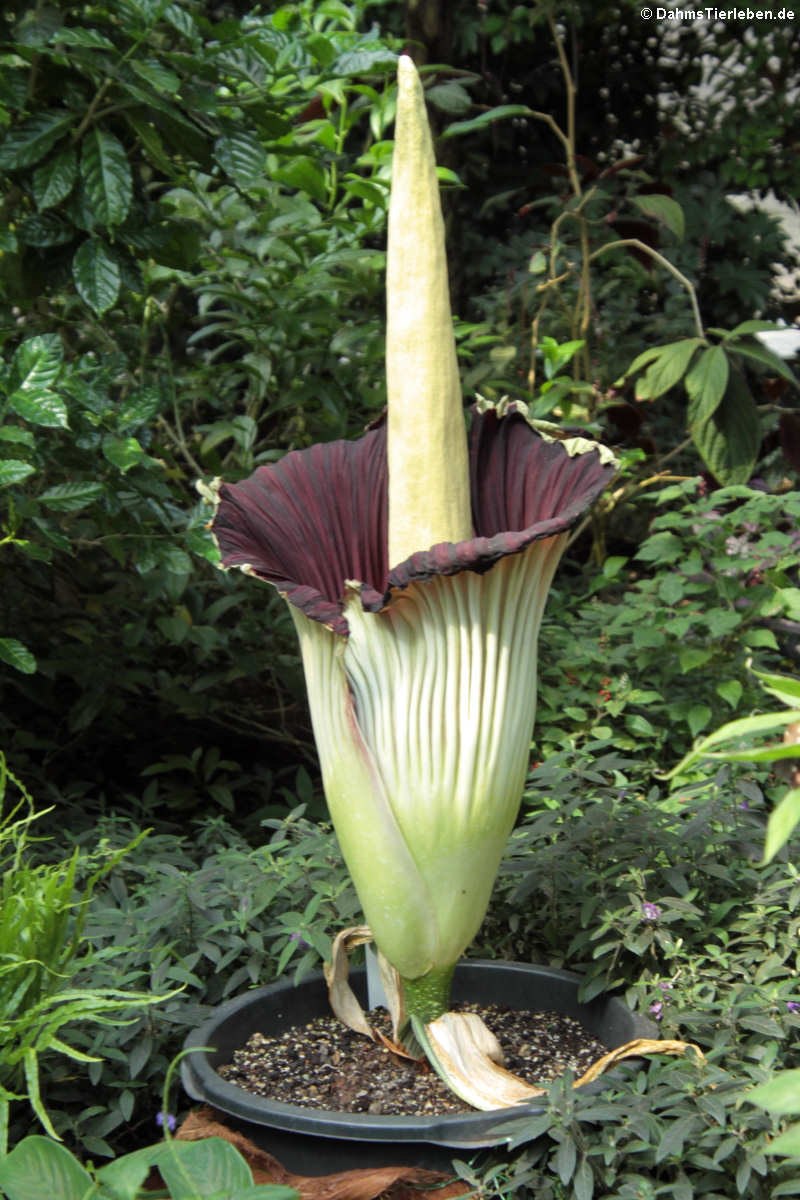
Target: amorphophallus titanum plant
column 416, row 562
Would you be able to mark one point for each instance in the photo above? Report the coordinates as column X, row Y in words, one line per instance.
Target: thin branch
column 667, row 265
column 569, row 84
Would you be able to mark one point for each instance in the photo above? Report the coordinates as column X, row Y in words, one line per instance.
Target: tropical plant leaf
column 752, row 326
column 42, row 1169
column 97, row 275
column 54, row 179
column 486, row 118
column 783, row 821
column 665, row 209
column 729, row 440
column 204, row 1168
column 669, row 366
column 27, row 143
column 123, row 452
column 14, row 470
column 705, row 384
column 785, row 687
column 18, row 656
column 304, row 174
column 640, row 361
column 107, row 177
column 241, row 156
column 71, row 497
column 40, row 408
column 756, row 352
column 90, row 39
column 787, row 1142
column 157, row 75
column 734, row 731
column 37, row 363
column 450, row 97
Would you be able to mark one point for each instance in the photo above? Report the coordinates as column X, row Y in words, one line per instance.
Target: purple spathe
column 319, row 517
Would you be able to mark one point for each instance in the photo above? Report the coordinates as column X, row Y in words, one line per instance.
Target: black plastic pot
column 315, row 1142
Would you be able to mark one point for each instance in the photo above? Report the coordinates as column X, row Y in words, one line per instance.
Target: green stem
column 429, row 996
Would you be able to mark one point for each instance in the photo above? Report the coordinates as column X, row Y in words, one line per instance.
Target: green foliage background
column 192, row 230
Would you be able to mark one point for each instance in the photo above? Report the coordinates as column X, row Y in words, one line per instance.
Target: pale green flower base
column 428, row 997
column 423, row 721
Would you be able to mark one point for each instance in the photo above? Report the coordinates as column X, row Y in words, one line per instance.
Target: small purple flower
column 665, row 987
column 656, row 1009
column 301, row 941
column 167, row 1119
column 650, row 912
column 793, row 1006
column 743, row 804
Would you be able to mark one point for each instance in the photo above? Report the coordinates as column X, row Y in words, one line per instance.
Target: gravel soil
column 325, row 1065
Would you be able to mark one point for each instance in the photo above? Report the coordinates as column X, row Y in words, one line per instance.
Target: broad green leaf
column 729, row 440
column 753, row 326
column 97, row 275
column 450, row 97
column 18, row 656
column 40, row 408
column 37, row 362
column 790, row 601
column 663, row 547
column 784, row 687
column 17, row 435
column 46, row 229
column 767, row 358
column 196, row 1169
column 368, row 190
column 39, row 1168
column 139, row 408
column 665, row 209
column 583, row 1182
column 88, row 38
column 734, row 731
column 176, row 561
column 304, row 174
column 640, row 361
column 785, row 1143
column 14, row 470
column 538, row 263
column 698, row 717
column 566, row 1158
column 486, row 118
column 665, row 371
column 241, row 156
column 123, row 452
column 55, row 178
column 671, row 588
column 783, row 820
column 107, row 177
column 27, row 143
column 705, row 384
column 322, row 48
column 123, row 1178
column 361, row 62
column 731, row 692
column 151, row 142
column 158, row 76
column 181, row 20
column 779, row 1095
column 71, row 497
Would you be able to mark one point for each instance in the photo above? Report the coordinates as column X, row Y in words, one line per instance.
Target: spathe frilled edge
column 318, row 518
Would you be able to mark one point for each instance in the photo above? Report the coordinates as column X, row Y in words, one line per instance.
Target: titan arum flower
column 416, row 562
